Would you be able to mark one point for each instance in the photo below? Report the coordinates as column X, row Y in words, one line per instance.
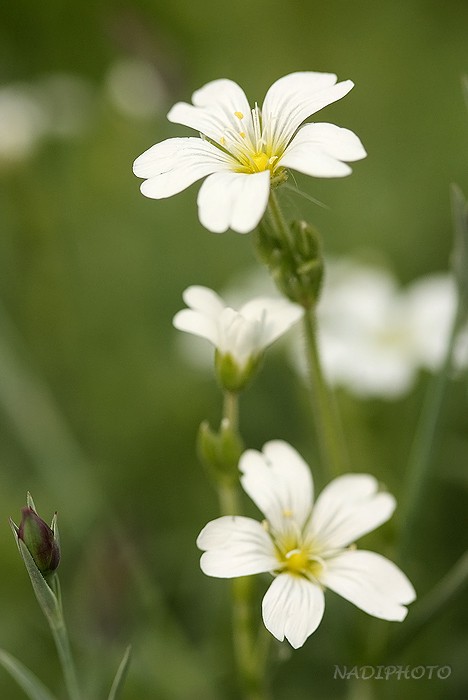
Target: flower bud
column 297, row 271
column 40, row 540
column 233, row 376
column 220, row 451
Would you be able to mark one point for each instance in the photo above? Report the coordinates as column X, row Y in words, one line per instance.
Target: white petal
column 371, row 582
column 236, row 546
column 239, row 336
column 319, row 149
column 293, row 98
column 198, row 324
column 174, row 164
column 292, row 608
column 348, row 508
column 204, row 299
column 233, row 200
column 278, row 316
column 214, row 109
column 279, row 482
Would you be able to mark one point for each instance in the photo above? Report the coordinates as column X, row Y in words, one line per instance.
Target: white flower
column 306, row 547
column 242, row 149
column 22, row 122
column 374, row 336
column 240, row 337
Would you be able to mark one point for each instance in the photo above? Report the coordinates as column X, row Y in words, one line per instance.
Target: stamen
column 239, row 115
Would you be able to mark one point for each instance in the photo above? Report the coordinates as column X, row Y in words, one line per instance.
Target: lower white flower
column 305, row 546
column 240, row 337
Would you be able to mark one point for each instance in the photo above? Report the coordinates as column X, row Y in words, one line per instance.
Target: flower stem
column 279, row 222
column 330, row 436
column 250, row 661
column 327, row 421
column 62, row 643
column 450, row 587
column 424, row 442
column 231, row 409
column 63, row 648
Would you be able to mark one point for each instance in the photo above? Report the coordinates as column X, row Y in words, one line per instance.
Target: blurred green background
column 98, row 409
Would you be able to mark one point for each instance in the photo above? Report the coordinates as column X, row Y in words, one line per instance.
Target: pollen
column 239, row 115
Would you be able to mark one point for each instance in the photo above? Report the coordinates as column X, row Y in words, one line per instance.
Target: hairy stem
column 250, row 663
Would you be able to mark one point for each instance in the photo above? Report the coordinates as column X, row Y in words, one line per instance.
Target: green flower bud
column 220, row 451
column 233, row 376
column 297, row 271
column 40, row 540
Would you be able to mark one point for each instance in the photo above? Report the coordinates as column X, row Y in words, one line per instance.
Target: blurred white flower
column 240, row 337
column 67, row 102
column 374, row 337
column 136, row 88
column 22, row 122
column 305, row 546
column 242, row 150
column 55, row 105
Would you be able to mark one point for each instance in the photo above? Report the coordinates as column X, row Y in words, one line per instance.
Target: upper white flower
column 243, row 149
column 305, row 546
column 242, row 335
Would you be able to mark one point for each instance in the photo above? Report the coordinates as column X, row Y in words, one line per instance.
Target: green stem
column 424, row 442
column 279, row 222
column 327, row 421
column 250, row 663
column 231, row 409
column 452, row 585
column 330, row 436
column 62, row 643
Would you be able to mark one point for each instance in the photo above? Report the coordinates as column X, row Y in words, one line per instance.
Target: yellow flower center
column 249, row 144
column 297, row 562
column 301, row 562
column 261, row 161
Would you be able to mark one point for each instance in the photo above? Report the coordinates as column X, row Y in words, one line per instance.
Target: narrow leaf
column 31, row 685
column 120, row 676
column 464, row 82
column 44, row 594
column 30, row 501
column 460, row 245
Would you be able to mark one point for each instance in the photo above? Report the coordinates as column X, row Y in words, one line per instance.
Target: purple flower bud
column 40, row 541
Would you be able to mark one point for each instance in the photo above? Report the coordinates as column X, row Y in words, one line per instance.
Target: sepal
column 220, row 451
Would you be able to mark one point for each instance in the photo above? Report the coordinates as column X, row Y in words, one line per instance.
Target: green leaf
column 120, row 676
column 31, row 685
column 460, row 246
column 46, row 598
column 465, row 88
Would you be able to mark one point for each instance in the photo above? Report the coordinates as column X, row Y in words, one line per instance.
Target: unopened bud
column 296, row 269
column 220, row 451
column 40, row 540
